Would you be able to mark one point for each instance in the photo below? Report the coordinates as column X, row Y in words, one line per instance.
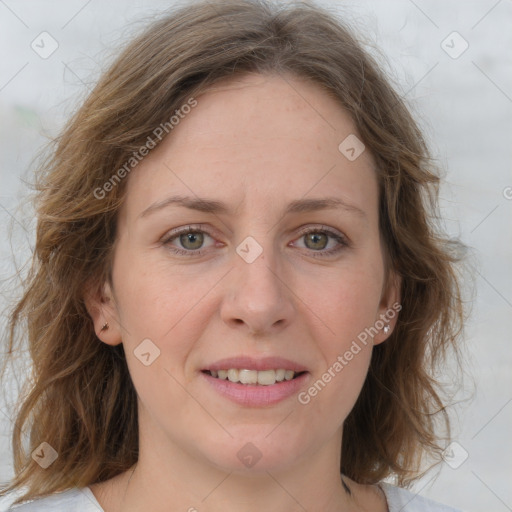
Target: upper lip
column 251, row 363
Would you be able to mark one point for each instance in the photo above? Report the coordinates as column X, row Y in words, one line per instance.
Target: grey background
column 465, row 107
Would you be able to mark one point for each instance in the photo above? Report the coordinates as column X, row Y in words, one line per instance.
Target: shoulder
column 71, row 500
column 402, row 500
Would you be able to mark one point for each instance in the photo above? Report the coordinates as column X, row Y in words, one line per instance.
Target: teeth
column 233, row 375
column 266, row 377
column 248, row 376
column 263, row 378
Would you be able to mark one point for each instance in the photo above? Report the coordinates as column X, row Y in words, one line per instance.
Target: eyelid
column 341, row 239
column 322, row 228
column 183, row 230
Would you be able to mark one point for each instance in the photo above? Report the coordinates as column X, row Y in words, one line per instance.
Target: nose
column 258, row 298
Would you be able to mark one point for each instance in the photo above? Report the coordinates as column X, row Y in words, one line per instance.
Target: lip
column 249, row 395
column 260, row 364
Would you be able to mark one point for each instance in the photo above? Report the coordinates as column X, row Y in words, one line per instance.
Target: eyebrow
column 206, row 205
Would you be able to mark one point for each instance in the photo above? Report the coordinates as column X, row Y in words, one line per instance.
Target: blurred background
column 450, row 60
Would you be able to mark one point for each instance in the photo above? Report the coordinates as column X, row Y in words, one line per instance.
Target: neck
column 174, row 478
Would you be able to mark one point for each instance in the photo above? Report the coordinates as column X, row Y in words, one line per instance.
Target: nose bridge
column 258, row 269
column 258, row 296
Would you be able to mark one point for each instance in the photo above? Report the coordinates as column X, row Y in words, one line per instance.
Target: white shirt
column 83, row 500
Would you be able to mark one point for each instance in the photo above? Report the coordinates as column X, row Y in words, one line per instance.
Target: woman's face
column 249, row 289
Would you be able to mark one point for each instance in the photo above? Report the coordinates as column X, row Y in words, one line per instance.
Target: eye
column 317, row 240
column 190, row 238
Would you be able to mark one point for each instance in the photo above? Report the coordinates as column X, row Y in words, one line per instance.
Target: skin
column 256, row 143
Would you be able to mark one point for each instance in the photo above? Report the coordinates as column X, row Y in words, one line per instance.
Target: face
column 283, row 271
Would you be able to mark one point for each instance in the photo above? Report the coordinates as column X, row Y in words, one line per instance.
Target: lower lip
column 256, row 395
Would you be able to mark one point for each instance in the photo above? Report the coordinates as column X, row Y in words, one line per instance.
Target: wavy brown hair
column 80, row 398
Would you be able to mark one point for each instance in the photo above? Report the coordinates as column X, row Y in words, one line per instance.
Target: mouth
column 254, row 377
column 256, row 382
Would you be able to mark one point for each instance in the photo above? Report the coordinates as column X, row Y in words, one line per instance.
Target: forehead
column 259, row 139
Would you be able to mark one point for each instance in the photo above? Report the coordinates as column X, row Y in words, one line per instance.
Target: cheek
column 153, row 297
column 159, row 309
column 163, row 304
column 346, row 349
column 347, row 302
column 333, row 390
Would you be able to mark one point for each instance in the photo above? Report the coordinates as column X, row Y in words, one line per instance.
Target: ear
column 100, row 304
column 389, row 308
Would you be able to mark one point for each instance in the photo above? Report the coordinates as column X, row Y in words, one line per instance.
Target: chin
column 256, row 449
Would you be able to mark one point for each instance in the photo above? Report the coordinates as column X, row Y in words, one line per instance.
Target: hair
column 80, row 398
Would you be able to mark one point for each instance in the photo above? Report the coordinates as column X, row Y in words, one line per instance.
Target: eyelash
column 342, row 241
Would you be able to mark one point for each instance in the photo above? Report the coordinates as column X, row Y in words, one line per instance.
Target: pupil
column 314, row 237
column 195, row 239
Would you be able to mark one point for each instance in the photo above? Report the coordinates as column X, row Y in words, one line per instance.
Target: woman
column 238, row 293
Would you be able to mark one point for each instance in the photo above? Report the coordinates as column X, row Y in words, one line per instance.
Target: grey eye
column 195, row 239
column 316, row 240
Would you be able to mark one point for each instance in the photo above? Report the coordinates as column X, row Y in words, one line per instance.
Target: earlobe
column 101, row 307
column 389, row 309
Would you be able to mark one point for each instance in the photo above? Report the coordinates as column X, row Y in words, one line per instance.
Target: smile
column 254, row 377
